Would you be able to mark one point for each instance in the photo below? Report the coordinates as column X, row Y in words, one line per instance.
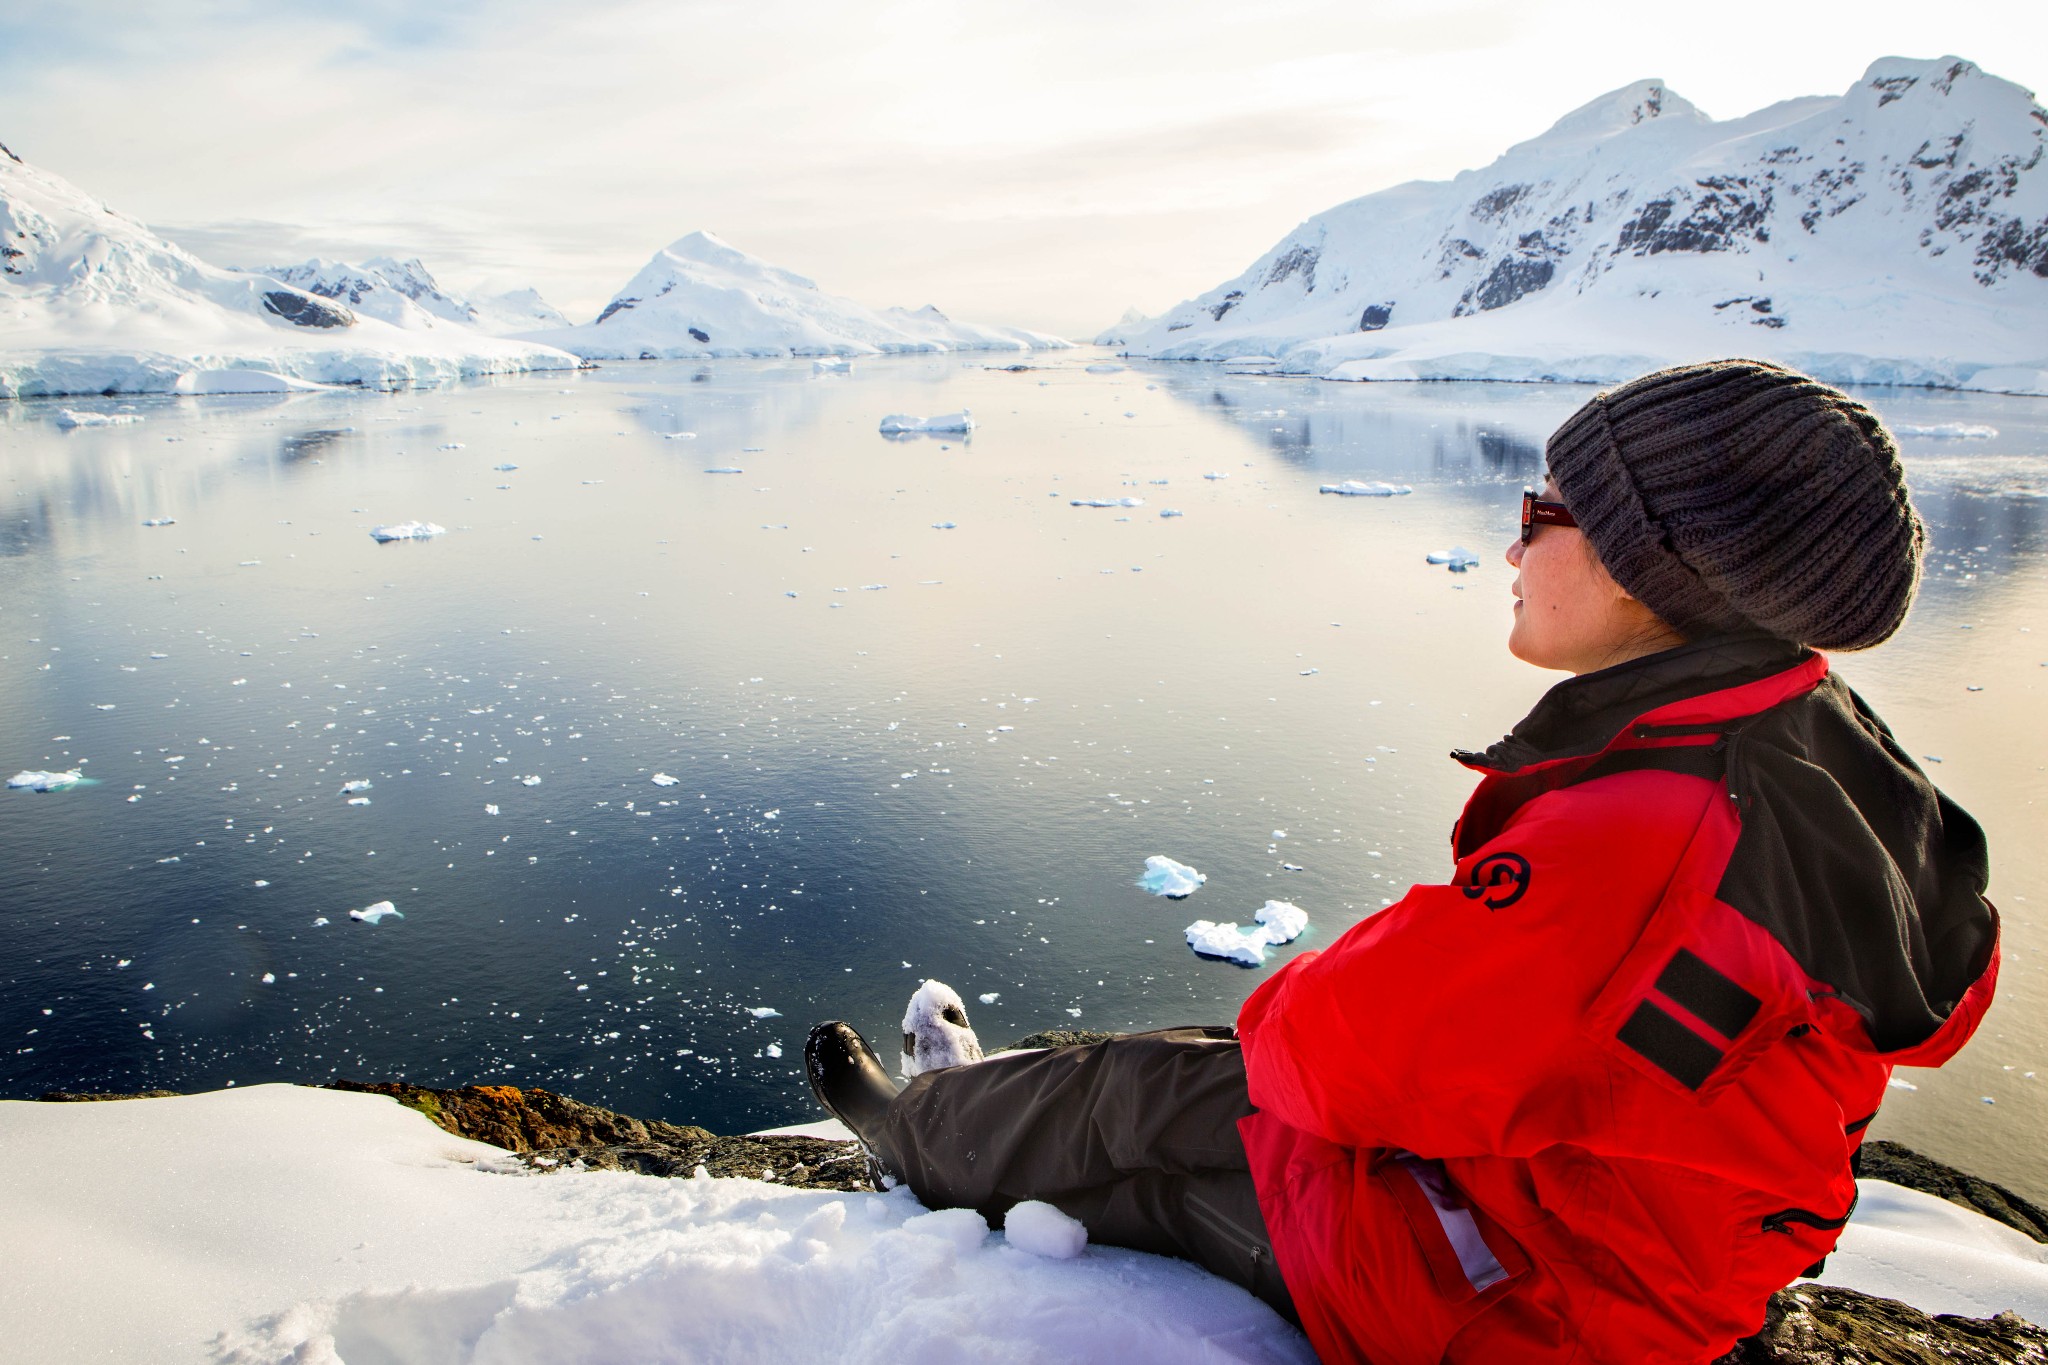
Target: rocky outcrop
column 1818, row 1324
column 528, row 1120
column 1881, row 1160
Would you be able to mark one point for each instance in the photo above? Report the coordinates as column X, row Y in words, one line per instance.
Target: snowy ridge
column 93, row 302
column 1897, row 233
column 405, row 294
column 702, row 297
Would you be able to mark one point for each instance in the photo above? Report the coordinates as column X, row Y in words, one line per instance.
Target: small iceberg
column 360, row 784
column 69, row 419
column 529, row 781
column 45, row 782
column 1171, row 512
column 1955, row 431
column 1278, row 922
column 159, row 521
column 664, row 780
column 201, row 383
column 899, row 424
column 1213, row 475
column 832, row 365
column 1352, row 488
column 1105, row 369
column 725, row 469
column 373, row 914
column 1457, row 558
column 406, row 530
column 504, row 468
column 1165, row 877
column 1108, row 502
column 764, row 1011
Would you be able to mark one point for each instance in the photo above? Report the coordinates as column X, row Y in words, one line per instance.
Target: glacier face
column 1897, row 233
column 93, row 302
column 701, row 297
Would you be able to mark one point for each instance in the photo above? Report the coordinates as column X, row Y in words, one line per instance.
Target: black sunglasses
column 1536, row 512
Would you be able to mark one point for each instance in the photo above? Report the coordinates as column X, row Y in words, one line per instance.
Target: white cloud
column 1044, row 166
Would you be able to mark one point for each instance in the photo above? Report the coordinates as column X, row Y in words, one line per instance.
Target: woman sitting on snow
column 1596, row 1097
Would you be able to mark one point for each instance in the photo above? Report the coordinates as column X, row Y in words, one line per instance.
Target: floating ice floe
column 936, row 1032
column 359, row 800
column 1165, row 877
column 504, row 468
column 1107, row 502
column 764, row 1012
column 159, row 521
column 1960, row 431
column 529, row 781
column 360, row 784
column 1457, row 558
column 45, row 781
column 664, row 780
column 67, row 418
column 945, row 526
column 406, row 530
column 1352, row 488
column 990, row 997
column 1171, row 512
column 832, row 365
column 900, row 424
column 725, row 469
column 372, row 914
column 1105, row 369
column 1278, row 922
column 490, row 810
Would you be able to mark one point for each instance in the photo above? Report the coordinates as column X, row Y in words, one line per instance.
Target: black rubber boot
column 849, row 1081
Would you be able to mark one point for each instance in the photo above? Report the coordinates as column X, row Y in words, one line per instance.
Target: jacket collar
column 1704, row 682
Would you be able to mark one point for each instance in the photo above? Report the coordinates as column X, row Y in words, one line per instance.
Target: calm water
column 901, row 749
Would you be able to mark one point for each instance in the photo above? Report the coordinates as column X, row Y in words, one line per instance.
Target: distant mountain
column 700, row 296
column 1132, row 323
column 91, row 302
column 1897, row 233
column 405, row 294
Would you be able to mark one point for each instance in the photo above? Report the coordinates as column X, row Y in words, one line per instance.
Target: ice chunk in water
column 1108, row 502
column 68, row 419
column 361, row 784
column 1042, row 1230
column 764, row 1011
column 1352, row 488
column 372, row 914
column 664, row 780
column 898, row 424
column 406, row 530
column 529, row 781
column 160, row 521
column 1457, row 557
column 1278, row 922
column 1165, row 877
column 1966, row 431
column 936, row 1032
column 45, row 781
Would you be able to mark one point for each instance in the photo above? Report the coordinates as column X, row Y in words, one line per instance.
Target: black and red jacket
column 1595, row 1098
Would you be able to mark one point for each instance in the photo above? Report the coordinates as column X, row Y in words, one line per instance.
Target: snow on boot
column 936, row 1032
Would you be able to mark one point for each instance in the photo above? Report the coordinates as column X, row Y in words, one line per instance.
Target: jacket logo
column 1500, row 878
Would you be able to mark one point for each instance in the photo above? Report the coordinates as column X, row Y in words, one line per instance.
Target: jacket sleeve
column 1450, row 1023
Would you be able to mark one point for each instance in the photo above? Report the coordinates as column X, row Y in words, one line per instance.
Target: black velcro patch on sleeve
column 1709, row 993
column 1669, row 1045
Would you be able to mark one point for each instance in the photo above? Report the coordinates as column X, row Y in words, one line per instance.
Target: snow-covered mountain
column 91, row 301
column 1897, row 233
column 405, row 294
column 700, row 296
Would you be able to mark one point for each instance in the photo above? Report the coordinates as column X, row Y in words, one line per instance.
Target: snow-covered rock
column 405, row 294
column 93, row 302
column 1897, row 233
column 702, row 297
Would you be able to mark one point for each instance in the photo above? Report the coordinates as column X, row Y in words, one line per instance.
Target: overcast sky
column 1045, row 164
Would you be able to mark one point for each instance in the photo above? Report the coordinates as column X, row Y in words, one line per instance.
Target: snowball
column 1165, row 877
column 965, row 1229
column 1042, row 1230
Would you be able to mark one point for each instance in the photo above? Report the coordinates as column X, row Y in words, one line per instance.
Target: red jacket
column 1596, row 1098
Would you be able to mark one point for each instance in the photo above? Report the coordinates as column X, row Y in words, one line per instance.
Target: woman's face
column 1569, row 613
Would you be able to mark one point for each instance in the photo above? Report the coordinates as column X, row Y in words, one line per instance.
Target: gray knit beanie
column 1738, row 495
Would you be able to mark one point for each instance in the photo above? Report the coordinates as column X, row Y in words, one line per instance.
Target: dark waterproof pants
column 1135, row 1136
